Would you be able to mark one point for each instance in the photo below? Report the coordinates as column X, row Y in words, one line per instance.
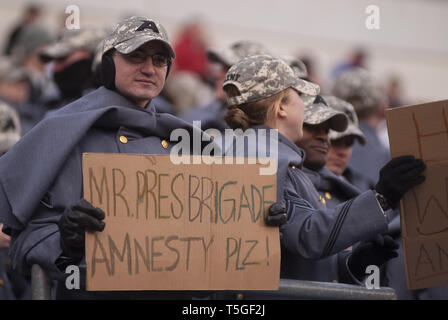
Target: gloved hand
column 277, row 214
column 399, row 176
column 376, row 251
column 74, row 221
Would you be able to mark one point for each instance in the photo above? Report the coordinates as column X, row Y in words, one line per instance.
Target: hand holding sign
column 399, row 176
column 73, row 224
column 179, row 227
column 422, row 131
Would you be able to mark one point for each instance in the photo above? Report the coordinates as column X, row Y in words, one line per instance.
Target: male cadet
column 358, row 87
column 333, row 190
column 41, row 195
column 212, row 115
column 341, row 147
column 319, row 118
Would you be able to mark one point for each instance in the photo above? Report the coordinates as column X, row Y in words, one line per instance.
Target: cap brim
column 132, row 44
column 352, row 130
column 55, row 51
column 338, row 121
column 306, row 87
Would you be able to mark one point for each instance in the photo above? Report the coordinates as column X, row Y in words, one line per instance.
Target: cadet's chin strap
column 108, row 70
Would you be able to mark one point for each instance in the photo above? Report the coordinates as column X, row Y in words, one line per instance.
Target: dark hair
column 252, row 113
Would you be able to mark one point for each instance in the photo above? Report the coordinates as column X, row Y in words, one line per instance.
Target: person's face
column 315, row 142
column 140, row 75
column 293, row 108
column 339, row 154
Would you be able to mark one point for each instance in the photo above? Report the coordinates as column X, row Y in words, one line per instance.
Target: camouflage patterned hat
column 236, row 52
column 86, row 38
column 133, row 32
column 360, row 88
column 9, row 127
column 353, row 124
column 262, row 76
column 320, row 112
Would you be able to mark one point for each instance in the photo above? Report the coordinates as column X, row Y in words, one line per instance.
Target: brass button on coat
column 123, row 139
column 164, row 144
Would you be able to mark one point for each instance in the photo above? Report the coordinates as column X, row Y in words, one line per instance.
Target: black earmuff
column 170, row 62
column 108, row 71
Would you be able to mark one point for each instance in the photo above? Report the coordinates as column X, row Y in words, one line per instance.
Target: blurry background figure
column 189, row 84
column 9, row 127
column 358, row 87
column 70, row 60
column 395, row 98
column 395, row 92
column 25, row 52
column 31, row 14
column 298, row 66
column 12, row 285
column 356, row 59
column 341, row 146
column 17, row 91
column 190, row 47
column 185, row 90
column 14, row 88
column 212, row 114
column 310, row 63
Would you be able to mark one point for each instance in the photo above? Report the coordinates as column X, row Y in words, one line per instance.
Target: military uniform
column 45, row 168
column 332, row 189
column 314, row 236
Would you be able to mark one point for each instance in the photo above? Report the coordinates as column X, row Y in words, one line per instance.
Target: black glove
column 399, row 176
column 376, row 251
column 74, row 221
column 277, row 214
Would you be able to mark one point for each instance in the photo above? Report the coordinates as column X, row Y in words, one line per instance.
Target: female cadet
column 263, row 94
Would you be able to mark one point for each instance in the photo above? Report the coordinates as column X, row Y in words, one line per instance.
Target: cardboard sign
column 179, row 227
column 422, row 131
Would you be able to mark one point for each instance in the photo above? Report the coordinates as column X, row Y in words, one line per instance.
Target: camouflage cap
column 358, row 86
column 297, row 65
column 320, row 112
column 10, row 72
column 261, row 76
column 9, row 127
column 72, row 40
column 133, row 32
column 236, row 52
column 353, row 124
